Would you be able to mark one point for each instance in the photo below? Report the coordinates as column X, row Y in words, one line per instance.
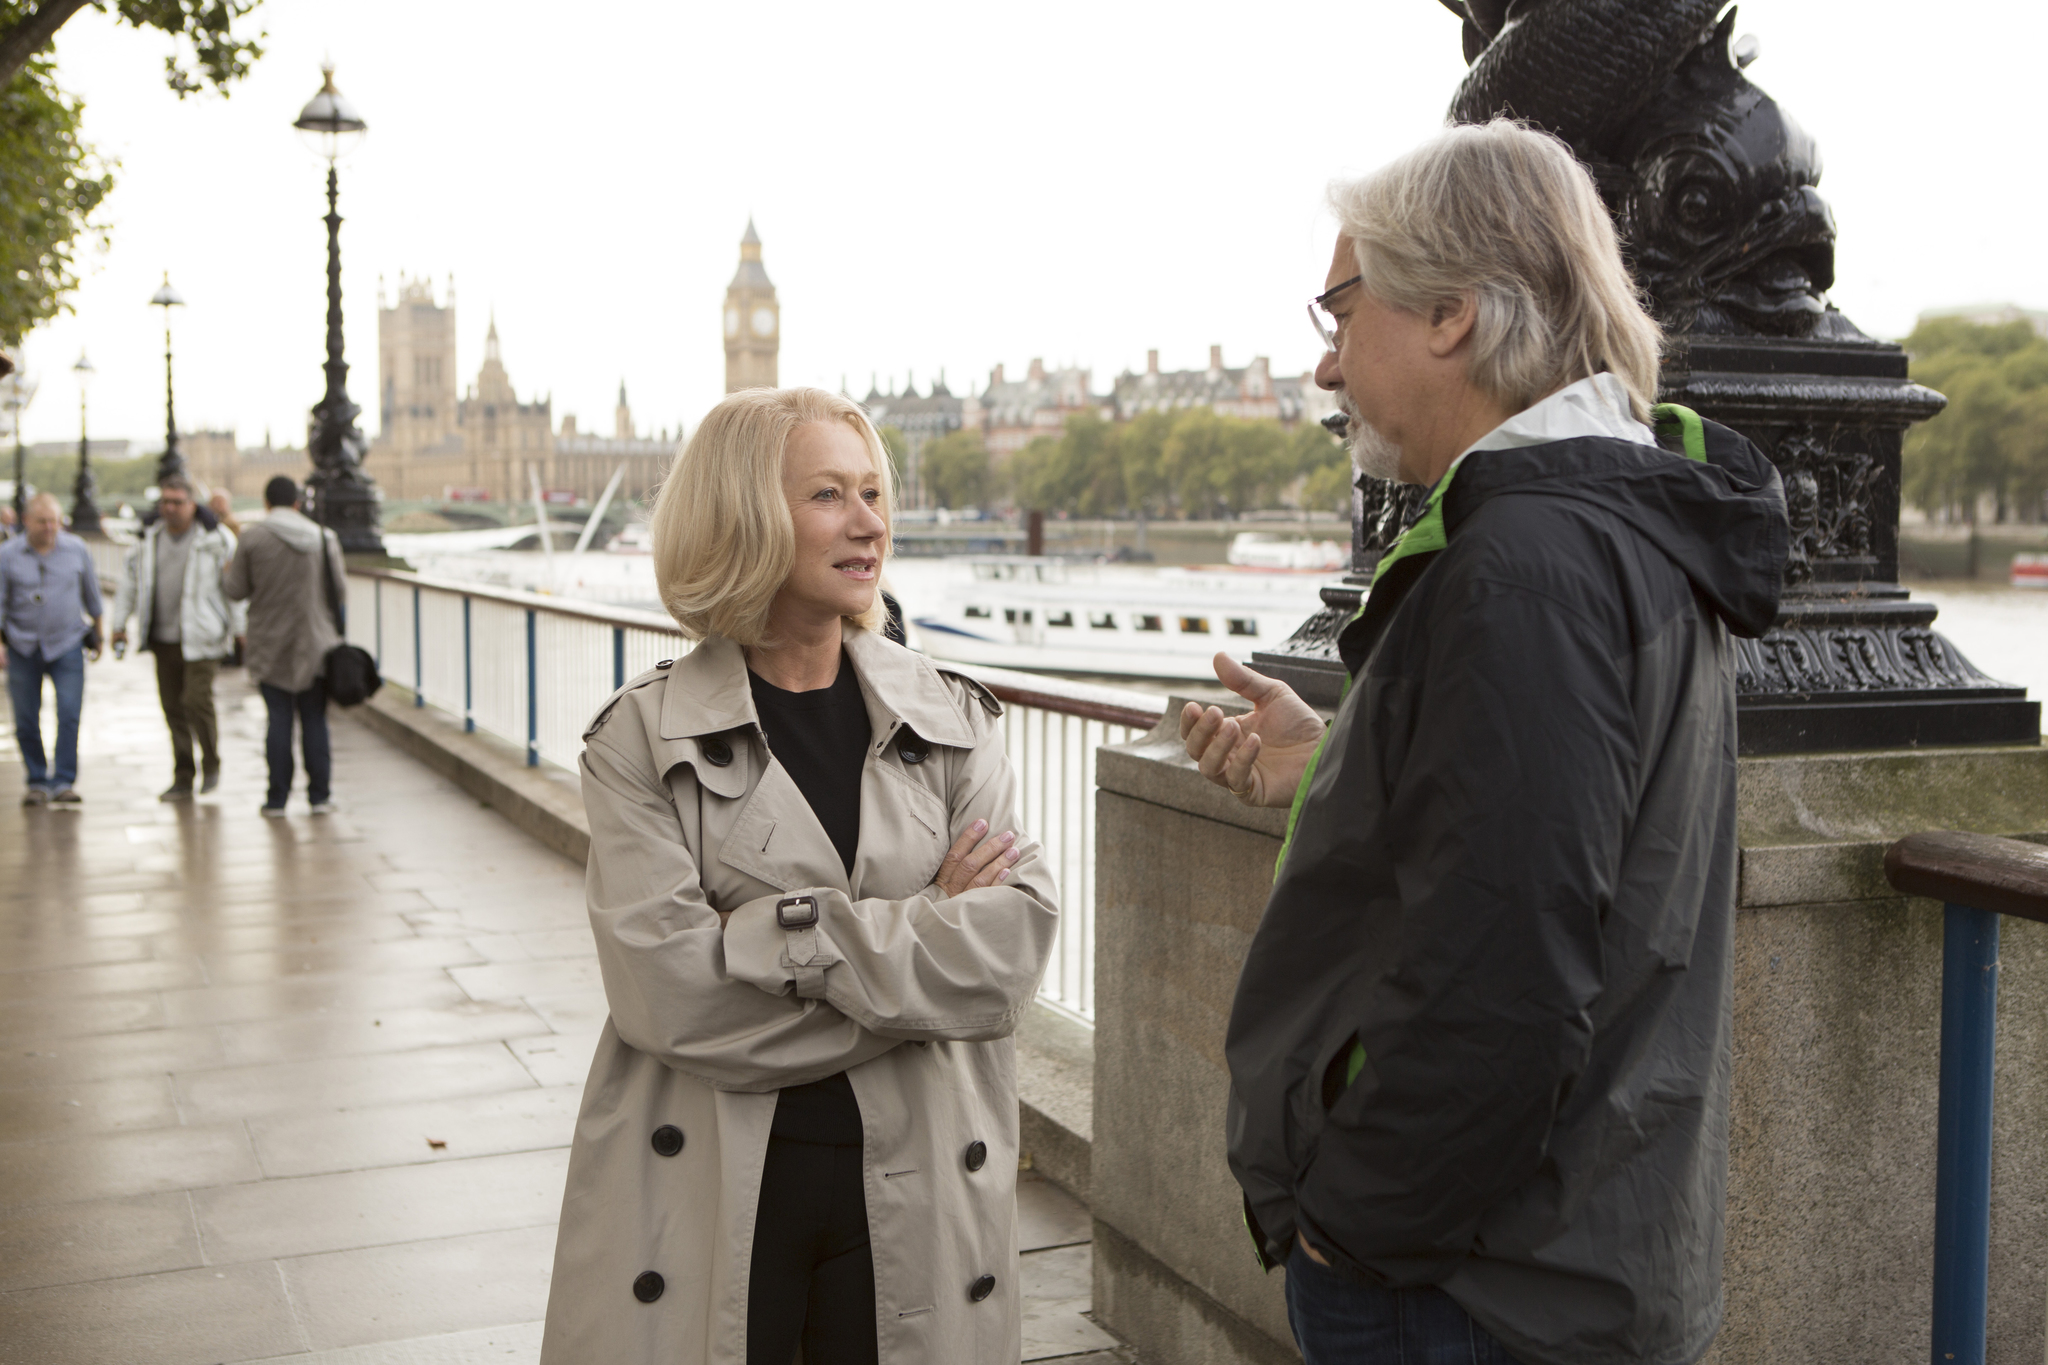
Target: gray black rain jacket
column 1481, row 1039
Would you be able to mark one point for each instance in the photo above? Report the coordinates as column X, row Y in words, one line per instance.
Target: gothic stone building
column 1250, row 392
column 486, row 444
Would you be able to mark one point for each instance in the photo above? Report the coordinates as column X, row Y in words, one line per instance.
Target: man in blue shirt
column 50, row 589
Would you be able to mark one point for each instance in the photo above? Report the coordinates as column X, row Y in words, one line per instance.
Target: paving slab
column 302, row 1090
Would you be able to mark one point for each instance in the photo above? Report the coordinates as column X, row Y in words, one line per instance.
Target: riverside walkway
column 301, row 1090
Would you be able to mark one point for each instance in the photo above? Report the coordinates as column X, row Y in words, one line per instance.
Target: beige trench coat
column 913, row 994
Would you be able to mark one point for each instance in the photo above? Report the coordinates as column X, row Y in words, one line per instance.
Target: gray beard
column 1371, row 453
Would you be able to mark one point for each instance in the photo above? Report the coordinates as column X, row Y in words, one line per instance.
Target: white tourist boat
column 1286, row 554
column 1052, row 615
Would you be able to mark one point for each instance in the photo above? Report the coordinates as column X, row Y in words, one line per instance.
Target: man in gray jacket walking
column 172, row 589
column 288, row 569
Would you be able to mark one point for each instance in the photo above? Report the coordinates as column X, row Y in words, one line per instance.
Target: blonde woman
column 818, row 923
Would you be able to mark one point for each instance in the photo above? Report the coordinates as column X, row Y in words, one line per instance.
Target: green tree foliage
column 956, row 471
column 898, row 446
column 51, row 181
column 1194, row 462
column 1993, row 437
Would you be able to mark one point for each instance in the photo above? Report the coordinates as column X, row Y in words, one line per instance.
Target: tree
column 1141, row 457
column 898, row 446
column 1990, row 439
column 956, row 470
column 1323, row 465
column 51, row 181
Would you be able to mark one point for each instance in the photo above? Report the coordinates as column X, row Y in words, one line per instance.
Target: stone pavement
column 301, row 1090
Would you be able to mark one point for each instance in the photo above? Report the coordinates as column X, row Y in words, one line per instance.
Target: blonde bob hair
column 1504, row 213
column 723, row 539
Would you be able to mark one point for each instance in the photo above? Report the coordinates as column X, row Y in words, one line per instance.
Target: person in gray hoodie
column 289, row 570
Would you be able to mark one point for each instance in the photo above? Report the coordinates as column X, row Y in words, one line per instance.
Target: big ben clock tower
column 753, row 321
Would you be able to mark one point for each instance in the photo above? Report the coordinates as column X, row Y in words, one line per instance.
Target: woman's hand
column 967, row 866
column 1259, row 758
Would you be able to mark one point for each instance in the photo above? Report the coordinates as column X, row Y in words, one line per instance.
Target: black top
column 821, row 740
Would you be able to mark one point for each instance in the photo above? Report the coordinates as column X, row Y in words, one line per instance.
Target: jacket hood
column 300, row 532
column 1721, row 521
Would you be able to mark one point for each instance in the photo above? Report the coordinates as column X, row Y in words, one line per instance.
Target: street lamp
column 15, row 392
column 338, row 493
column 172, row 462
column 85, row 513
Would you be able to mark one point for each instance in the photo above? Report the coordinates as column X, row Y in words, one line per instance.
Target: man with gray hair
column 172, row 587
column 1480, row 1047
column 51, row 588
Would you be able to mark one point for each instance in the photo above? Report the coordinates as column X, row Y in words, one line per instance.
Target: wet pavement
column 302, row 1089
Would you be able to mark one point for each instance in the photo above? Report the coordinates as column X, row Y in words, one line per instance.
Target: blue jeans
column 310, row 706
column 25, row 675
column 1339, row 1320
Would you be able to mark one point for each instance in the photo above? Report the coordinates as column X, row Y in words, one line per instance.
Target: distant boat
column 1264, row 550
column 633, row 538
column 1020, row 611
column 2030, row 571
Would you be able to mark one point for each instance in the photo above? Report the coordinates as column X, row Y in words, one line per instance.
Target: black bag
column 351, row 673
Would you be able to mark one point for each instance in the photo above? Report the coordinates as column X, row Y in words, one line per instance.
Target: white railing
column 533, row 669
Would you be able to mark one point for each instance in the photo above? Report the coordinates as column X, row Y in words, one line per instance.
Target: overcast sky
column 937, row 185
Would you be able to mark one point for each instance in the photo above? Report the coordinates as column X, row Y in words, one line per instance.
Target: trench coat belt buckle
column 798, row 916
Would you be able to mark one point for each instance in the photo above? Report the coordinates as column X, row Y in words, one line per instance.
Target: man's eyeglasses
column 1319, row 312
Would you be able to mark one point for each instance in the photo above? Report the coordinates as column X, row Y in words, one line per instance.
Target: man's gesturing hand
column 1259, row 757
column 967, row 867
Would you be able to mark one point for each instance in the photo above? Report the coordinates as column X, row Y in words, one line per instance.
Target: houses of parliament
column 488, row 444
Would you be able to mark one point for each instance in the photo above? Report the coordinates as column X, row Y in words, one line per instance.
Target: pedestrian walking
column 289, row 570
column 1480, row 1047
column 800, row 1128
column 52, row 619
column 171, row 587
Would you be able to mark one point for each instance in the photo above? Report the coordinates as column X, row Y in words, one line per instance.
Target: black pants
column 813, row 1275
column 311, row 708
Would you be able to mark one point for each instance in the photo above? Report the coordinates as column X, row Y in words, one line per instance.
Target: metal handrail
column 530, row 675
column 517, row 597
column 1977, row 877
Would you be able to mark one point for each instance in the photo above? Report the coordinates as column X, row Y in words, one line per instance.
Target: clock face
column 732, row 322
column 764, row 323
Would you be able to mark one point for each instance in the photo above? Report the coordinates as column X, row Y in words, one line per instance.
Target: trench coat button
column 980, row 1289
column 665, row 663
column 717, row 751
column 913, row 750
column 977, row 1155
column 668, row 1139
column 647, row 1288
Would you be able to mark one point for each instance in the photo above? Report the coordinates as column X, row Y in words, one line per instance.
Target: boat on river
column 1062, row 616
column 2030, row 571
column 1286, row 554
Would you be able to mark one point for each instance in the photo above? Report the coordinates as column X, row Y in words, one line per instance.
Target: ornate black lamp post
column 85, row 513
column 172, row 462
column 15, row 392
column 339, row 494
column 1715, row 190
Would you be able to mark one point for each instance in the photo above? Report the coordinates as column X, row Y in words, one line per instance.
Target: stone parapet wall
column 1837, row 991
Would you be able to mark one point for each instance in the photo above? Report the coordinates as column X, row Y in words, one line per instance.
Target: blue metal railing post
column 618, row 657
column 532, row 694
column 468, row 698
column 419, row 667
column 1962, row 1162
